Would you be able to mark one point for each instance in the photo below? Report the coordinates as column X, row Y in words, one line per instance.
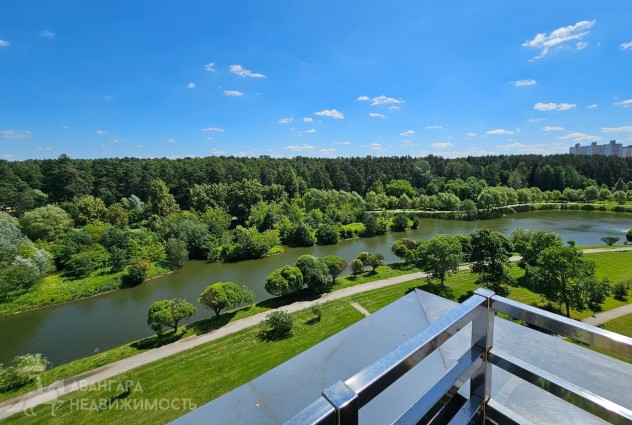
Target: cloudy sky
column 169, row 78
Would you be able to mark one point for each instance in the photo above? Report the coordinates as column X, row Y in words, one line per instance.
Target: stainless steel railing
column 341, row 402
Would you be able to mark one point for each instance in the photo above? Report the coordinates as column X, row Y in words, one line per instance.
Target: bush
column 628, row 235
column 23, row 370
column 300, row 235
column 415, row 224
column 327, row 234
column 400, row 223
column 176, row 252
column 317, row 311
column 279, row 324
column 620, row 292
column 136, row 271
column 83, row 263
column 284, row 280
column 571, row 242
column 314, row 272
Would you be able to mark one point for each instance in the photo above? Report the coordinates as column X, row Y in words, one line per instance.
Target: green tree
column 221, row 295
column 279, row 325
column 398, row 188
column 85, row 262
column 49, row 223
column 176, row 252
column 591, row 193
column 628, row 235
column 117, row 215
column 300, row 234
column 136, row 271
column 375, row 261
column 162, row 202
column 620, row 197
column 169, row 313
column 356, row 267
column 440, row 257
column 335, row 265
column 490, row 253
column 22, row 370
column 315, row 271
column 610, row 240
column 284, row 280
column 405, row 249
column 400, row 223
column 89, row 210
column 562, row 275
column 327, row 233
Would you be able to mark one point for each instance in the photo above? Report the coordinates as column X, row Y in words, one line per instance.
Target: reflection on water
column 80, row 328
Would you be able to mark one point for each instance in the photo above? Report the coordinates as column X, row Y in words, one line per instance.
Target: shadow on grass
column 271, row 335
column 436, row 289
column 312, row 321
column 156, row 341
column 212, row 323
column 276, row 302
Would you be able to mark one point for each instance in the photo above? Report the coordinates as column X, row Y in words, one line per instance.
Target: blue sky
column 318, row 78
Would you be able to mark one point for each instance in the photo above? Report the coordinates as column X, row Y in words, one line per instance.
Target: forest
column 137, row 218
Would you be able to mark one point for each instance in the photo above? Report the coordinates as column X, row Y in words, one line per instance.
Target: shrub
column 300, row 235
column 284, row 280
column 314, row 272
column 571, row 242
column 221, row 295
column 327, row 234
column 317, row 311
column 415, row 224
column 168, row 313
column 136, row 271
column 620, row 292
column 628, row 235
column 85, row 262
column 400, row 223
column 176, row 252
column 279, row 324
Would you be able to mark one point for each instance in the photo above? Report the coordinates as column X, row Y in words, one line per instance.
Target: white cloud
column 217, row 129
column 101, row 132
column 216, row 151
column 116, row 140
column 47, row 34
column 210, row 67
column 210, row 138
column 342, row 143
column 626, row 46
column 442, row 145
column 286, row 120
column 376, row 115
column 551, row 106
column 7, row 156
column 191, row 85
column 500, row 131
column 139, row 146
column 384, row 100
column 537, row 119
column 4, row 43
column 393, row 108
column 625, row 128
column 407, row 133
column 434, row 127
column 625, row 103
column 559, row 38
column 331, row 113
column 581, row 45
column 519, row 147
column 376, row 147
column 522, row 83
column 579, row 137
column 311, row 131
column 552, row 128
column 308, row 119
column 45, row 149
column 15, row 134
column 471, row 134
column 233, row 93
column 172, row 141
column 593, row 106
column 362, row 98
column 326, row 151
column 242, row 72
column 407, row 142
column 297, row 148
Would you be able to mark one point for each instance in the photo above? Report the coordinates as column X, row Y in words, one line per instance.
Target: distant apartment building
column 610, row 149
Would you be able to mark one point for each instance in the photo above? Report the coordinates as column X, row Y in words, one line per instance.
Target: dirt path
column 59, row 388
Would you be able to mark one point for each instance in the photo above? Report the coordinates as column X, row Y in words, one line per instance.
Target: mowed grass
column 200, row 374
column 621, row 325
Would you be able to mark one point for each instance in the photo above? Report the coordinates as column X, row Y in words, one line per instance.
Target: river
column 80, row 328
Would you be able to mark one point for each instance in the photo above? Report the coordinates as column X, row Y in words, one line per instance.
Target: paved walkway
column 59, row 388
column 606, row 316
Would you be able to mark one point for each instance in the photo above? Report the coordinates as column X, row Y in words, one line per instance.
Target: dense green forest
column 131, row 219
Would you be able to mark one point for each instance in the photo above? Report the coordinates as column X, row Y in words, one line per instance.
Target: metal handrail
column 341, row 402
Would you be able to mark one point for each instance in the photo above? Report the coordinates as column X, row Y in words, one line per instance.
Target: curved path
column 57, row 389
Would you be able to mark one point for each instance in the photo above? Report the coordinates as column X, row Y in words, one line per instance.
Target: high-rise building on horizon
column 609, row 149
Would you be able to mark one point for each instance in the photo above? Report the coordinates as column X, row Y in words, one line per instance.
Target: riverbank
column 55, row 290
column 370, row 296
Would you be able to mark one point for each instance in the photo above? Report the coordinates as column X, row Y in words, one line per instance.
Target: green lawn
column 199, row 375
column 621, row 325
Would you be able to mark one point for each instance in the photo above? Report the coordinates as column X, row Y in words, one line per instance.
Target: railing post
column 483, row 338
column 345, row 401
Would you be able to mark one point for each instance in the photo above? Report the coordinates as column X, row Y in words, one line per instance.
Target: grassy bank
column 200, row 374
column 57, row 288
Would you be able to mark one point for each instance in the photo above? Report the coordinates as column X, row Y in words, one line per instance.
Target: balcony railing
column 441, row 403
